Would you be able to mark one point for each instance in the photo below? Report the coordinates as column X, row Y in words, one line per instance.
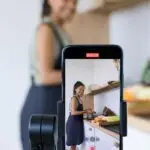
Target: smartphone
column 92, row 113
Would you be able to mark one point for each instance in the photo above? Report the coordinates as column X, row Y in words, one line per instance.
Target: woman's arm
column 46, row 55
column 74, row 107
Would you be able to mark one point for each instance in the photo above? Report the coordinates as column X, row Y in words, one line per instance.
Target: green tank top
column 34, row 61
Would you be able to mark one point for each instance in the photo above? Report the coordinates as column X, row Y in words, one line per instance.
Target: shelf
column 104, row 89
column 113, row 5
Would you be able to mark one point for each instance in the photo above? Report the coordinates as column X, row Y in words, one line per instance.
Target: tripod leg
column 45, row 147
column 38, row 147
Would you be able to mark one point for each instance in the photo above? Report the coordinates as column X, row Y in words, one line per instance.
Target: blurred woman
column 74, row 125
column 45, row 65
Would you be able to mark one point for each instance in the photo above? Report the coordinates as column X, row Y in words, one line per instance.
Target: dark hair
column 76, row 85
column 46, row 8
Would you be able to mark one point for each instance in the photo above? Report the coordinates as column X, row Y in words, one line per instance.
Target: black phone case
column 61, row 104
column 61, row 125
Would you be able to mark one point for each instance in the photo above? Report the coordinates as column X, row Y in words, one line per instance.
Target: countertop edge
column 111, row 133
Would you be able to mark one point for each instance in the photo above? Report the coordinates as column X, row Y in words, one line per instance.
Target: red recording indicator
column 92, row 55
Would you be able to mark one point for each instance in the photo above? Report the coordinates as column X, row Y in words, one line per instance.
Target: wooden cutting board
column 141, row 123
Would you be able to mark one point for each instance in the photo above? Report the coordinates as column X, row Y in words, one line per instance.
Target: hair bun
column 46, row 8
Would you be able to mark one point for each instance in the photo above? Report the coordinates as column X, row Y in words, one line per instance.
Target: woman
column 75, row 126
column 46, row 63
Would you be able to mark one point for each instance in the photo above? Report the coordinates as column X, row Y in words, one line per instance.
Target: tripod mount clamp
column 42, row 132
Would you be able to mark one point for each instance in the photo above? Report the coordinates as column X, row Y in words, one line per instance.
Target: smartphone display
column 92, row 92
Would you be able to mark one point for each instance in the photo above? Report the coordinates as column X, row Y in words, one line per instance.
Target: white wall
column 109, row 99
column 131, row 29
column 105, row 71
column 18, row 19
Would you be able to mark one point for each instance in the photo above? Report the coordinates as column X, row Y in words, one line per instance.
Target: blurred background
column 123, row 22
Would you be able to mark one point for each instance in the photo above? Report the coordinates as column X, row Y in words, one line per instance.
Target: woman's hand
column 89, row 111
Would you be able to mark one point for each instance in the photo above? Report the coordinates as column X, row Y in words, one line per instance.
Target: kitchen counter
column 136, row 140
column 103, row 129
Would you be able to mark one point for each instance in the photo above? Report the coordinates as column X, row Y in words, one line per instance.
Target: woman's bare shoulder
column 44, row 29
column 74, row 98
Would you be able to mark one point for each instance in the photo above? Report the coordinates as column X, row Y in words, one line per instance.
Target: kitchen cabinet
column 104, row 141
column 98, row 139
column 89, row 137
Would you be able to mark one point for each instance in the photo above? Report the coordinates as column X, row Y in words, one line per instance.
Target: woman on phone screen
column 74, row 125
column 45, row 64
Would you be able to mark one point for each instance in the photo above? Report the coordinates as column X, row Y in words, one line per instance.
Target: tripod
column 42, row 132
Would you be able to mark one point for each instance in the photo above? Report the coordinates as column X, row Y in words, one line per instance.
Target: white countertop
column 136, row 140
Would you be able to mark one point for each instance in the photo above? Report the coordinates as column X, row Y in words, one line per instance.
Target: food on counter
column 137, row 93
column 139, row 108
column 140, row 92
column 112, row 119
column 97, row 123
column 144, row 94
column 93, row 121
column 98, row 120
column 138, row 98
column 129, row 95
column 103, row 120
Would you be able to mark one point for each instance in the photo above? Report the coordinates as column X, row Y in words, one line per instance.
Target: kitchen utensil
column 108, row 112
column 89, row 116
column 85, row 116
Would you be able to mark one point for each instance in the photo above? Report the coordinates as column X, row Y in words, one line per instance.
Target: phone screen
column 92, row 92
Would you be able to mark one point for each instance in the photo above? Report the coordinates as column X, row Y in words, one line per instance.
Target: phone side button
column 124, row 119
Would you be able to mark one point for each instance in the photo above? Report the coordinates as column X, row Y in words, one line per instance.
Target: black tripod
column 42, row 132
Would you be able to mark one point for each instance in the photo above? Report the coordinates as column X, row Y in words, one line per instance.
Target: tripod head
column 42, row 132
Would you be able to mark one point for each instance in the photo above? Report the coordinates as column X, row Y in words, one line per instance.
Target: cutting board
column 141, row 123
